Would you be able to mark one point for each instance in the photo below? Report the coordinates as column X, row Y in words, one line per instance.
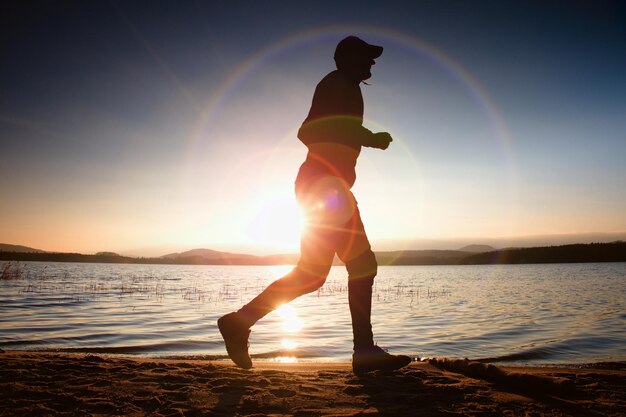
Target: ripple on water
column 533, row 313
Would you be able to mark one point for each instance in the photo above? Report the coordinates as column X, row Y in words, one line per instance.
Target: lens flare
column 203, row 137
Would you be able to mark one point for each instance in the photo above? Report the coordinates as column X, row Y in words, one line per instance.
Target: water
column 537, row 314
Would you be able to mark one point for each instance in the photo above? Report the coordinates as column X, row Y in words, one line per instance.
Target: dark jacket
column 333, row 131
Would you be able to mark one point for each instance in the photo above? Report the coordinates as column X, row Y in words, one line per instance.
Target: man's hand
column 382, row 140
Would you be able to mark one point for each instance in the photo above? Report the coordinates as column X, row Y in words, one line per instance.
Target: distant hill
column 197, row 255
column 591, row 252
column 420, row 257
column 203, row 253
column 5, row 247
column 107, row 254
column 477, row 248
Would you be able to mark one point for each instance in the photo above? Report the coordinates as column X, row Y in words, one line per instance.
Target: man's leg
column 355, row 251
column 317, row 253
column 361, row 273
column 303, row 279
column 361, row 264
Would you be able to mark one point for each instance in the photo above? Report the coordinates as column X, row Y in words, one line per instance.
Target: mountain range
column 5, row 247
column 210, row 256
column 471, row 254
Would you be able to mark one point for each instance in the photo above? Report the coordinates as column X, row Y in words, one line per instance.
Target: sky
column 148, row 127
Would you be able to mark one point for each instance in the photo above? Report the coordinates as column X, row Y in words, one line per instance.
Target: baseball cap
column 351, row 47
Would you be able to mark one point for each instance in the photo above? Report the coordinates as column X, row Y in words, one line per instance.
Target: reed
column 149, row 286
column 11, row 271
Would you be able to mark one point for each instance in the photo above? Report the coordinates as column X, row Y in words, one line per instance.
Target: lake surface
column 534, row 314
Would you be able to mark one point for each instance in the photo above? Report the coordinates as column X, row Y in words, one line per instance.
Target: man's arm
column 344, row 130
column 380, row 140
column 334, row 117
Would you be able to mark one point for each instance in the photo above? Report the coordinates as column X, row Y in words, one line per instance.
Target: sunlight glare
column 285, row 359
column 278, row 271
column 288, row 344
column 291, row 323
column 277, row 222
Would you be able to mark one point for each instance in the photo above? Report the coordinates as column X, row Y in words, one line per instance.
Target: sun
column 277, row 222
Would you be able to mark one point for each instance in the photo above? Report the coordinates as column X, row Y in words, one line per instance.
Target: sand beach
column 42, row 384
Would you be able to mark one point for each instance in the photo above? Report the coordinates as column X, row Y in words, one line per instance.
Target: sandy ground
column 34, row 384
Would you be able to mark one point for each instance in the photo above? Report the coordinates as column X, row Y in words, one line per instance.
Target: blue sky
column 145, row 126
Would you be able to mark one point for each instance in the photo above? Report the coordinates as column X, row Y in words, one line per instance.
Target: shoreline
column 52, row 383
column 287, row 359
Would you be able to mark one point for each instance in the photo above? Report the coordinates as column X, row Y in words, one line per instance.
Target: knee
column 308, row 279
column 363, row 266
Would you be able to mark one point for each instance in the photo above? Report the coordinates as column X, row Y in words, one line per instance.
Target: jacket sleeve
column 338, row 129
column 336, row 115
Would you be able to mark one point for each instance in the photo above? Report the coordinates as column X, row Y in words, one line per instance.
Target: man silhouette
column 334, row 135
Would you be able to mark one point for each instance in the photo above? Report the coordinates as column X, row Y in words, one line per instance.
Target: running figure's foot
column 376, row 359
column 235, row 335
